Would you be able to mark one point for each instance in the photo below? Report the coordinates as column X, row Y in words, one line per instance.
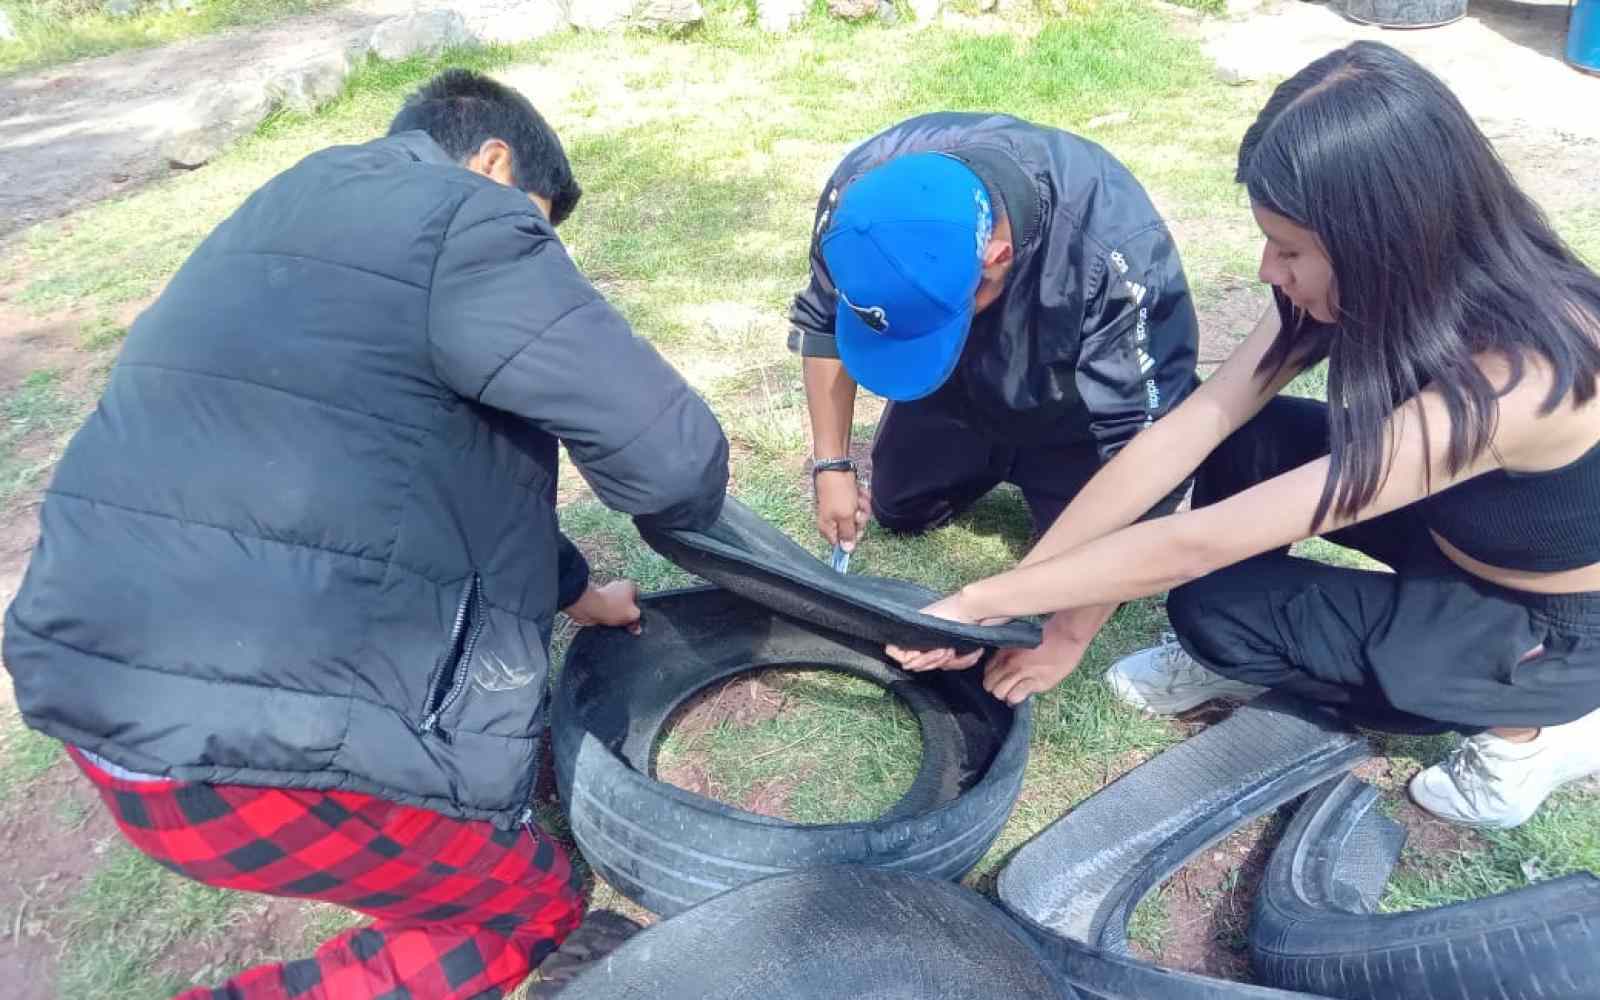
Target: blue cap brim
column 900, row 370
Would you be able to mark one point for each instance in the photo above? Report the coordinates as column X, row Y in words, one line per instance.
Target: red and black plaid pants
column 462, row 910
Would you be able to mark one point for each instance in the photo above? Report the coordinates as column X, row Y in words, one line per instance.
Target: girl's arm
column 1168, row 451
column 1158, row 555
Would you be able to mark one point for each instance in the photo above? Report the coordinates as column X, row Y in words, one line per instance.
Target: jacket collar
column 422, row 148
column 1006, row 180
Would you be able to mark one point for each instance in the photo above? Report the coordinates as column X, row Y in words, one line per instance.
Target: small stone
column 923, row 11
column 780, row 15
column 1234, row 64
column 122, row 8
column 8, row 31
column 1235, row 74
column 887, row 12
column 1114, row 118
column 422, row 31
column 852, row 10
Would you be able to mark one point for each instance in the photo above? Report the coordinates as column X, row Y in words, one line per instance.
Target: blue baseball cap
column 905, row 252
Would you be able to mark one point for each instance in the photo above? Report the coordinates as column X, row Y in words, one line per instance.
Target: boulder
column 419, row 32
column 610, row 15
column 214, row 118
column 122, row 8
column 518, row 21
column 309, row 86
column 780, row 15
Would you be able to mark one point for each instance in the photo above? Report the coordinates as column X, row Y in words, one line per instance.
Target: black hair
column 461, row 110
column 1437, row 256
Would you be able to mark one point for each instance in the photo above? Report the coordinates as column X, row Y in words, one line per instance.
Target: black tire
column 667, row 849
column 1082, row 876
column 745, row 554
column 1313, row 928
column 1099, row 975
column 830, row 934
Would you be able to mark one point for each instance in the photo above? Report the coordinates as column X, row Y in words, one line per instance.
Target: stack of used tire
column 763, row 908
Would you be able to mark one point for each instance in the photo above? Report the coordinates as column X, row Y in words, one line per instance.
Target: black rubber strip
column 830, row 934
column 667, row 848
column 1314, row 928
column 1083, row 875
column 747, row 555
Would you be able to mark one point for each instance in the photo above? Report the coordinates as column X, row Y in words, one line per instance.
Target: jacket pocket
column 449, row 677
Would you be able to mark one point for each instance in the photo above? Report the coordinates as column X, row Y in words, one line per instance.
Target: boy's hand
column 843, row 508
column 615, row 604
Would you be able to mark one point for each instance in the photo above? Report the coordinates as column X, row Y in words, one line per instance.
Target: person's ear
column 997, row 255
column 494, row 161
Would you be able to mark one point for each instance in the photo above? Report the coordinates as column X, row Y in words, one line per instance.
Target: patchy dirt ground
column 742, row 702
column 86, row 131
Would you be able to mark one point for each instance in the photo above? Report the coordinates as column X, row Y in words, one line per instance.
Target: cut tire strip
column 1077, row 882
column 1314, row 928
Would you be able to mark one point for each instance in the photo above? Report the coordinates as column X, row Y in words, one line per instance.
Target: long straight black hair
column 1437, row 256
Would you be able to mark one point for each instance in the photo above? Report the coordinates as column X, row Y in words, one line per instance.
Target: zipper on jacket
column 449, row 677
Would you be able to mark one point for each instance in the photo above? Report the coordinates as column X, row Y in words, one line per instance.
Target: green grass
column 838, row 749
column 37, row 407
column 126, row 918
column 25, row 756
column 58, row 31
column 1562, row 838
column 1147, row 925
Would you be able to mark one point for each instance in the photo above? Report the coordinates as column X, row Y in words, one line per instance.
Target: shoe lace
column 1471, row 772
column 1177, row 665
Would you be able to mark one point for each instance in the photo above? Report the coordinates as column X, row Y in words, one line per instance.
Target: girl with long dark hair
column 1460, row 446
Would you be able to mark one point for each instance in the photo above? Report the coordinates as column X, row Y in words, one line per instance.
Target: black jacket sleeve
column 811, row 315
column 1137, row 355
column 515, row 326
column 572, row 572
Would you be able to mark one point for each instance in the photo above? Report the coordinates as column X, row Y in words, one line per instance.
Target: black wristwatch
column 833, row 465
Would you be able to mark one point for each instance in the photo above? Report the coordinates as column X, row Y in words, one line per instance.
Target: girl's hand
column 950, row 609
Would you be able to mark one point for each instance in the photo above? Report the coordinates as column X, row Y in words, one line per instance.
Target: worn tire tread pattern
column 1310, row 932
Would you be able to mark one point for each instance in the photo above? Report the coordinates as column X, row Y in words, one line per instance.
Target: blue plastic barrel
column 1583, row 36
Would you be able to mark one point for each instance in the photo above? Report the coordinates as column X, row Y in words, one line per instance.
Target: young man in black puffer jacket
column 296, row 576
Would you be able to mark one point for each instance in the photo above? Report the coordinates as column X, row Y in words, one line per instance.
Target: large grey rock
column 214, row 118
column 518, row 21
column 122, row 8
column 608, row 15
column 853, row 10
column 780, row 15
column 8, row 31
column 419, row 32
column 309, row 86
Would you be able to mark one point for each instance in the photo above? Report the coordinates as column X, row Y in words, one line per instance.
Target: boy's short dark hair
column 461, row 110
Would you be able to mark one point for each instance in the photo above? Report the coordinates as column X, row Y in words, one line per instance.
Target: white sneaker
column 1493, row 782
column 1165, row 680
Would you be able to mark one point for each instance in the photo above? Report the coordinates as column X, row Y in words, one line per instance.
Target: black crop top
column 1539, row 522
